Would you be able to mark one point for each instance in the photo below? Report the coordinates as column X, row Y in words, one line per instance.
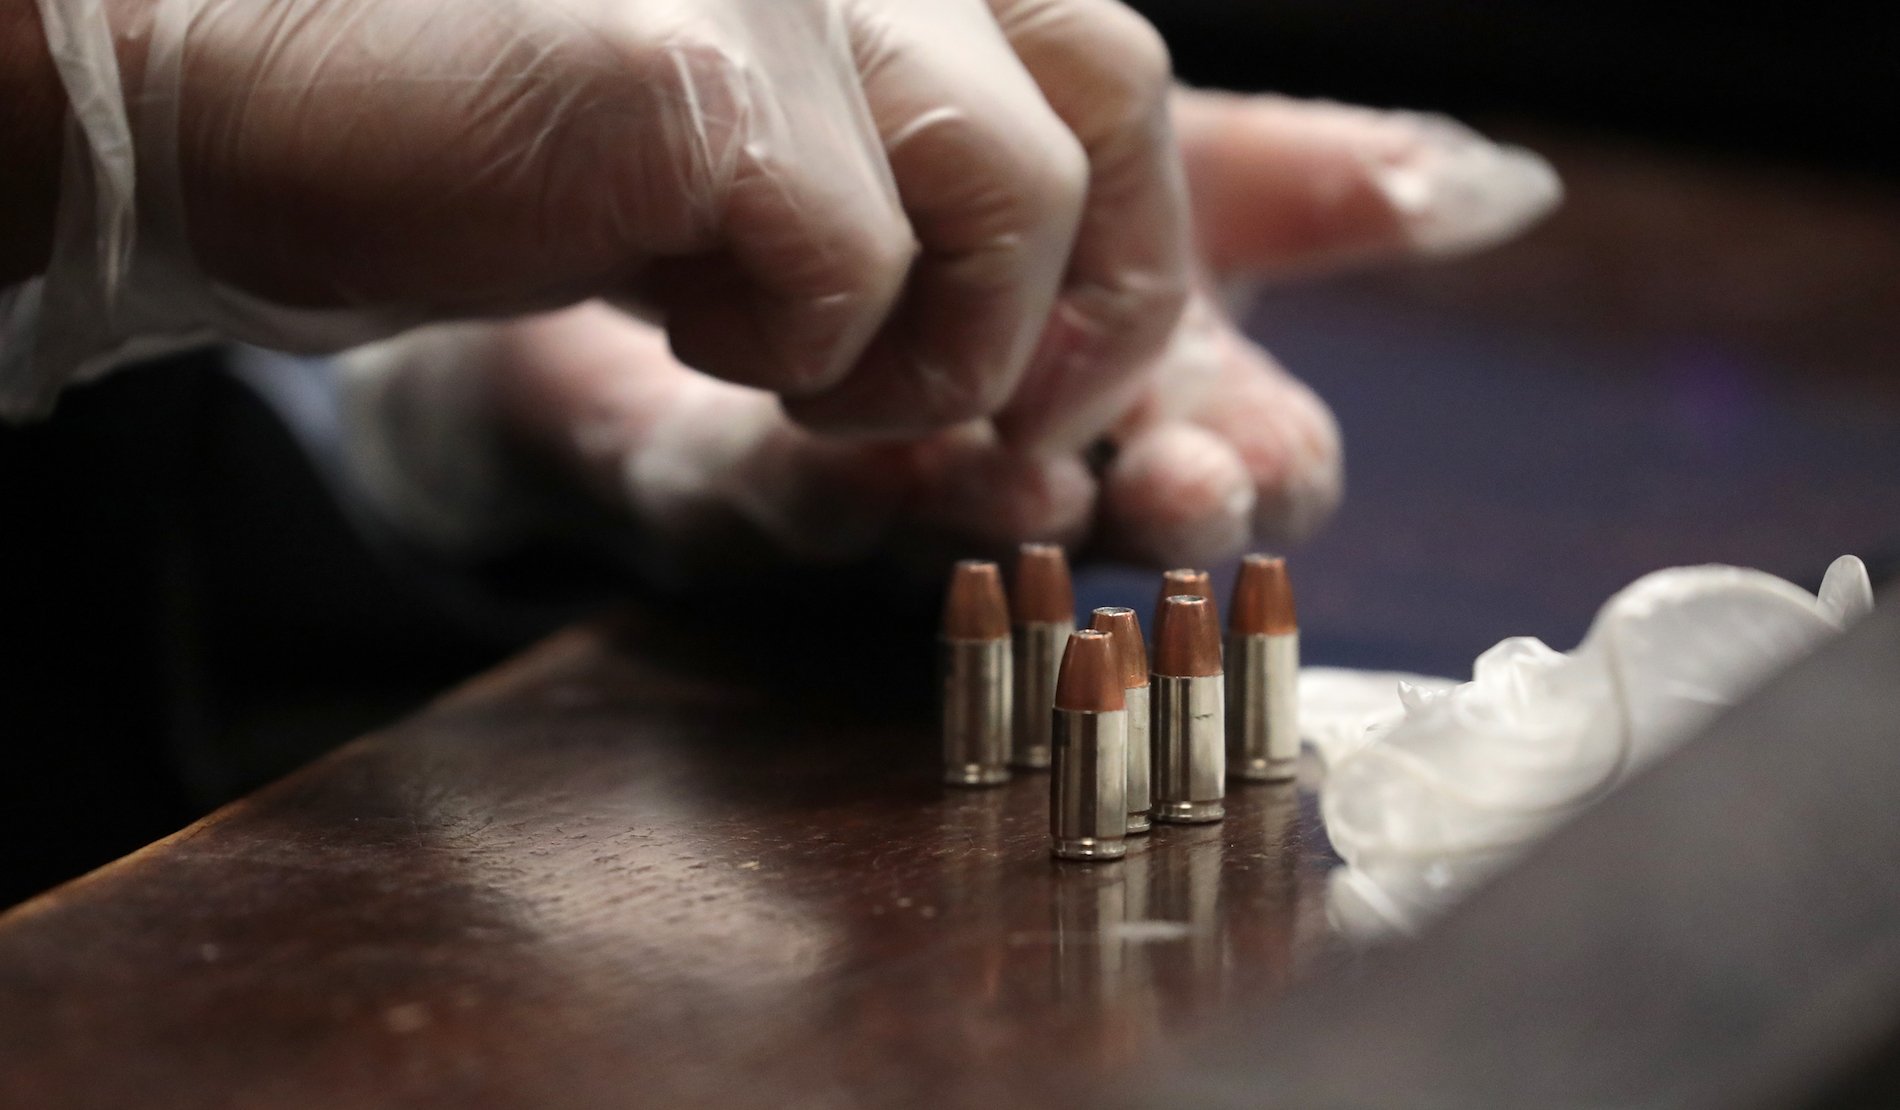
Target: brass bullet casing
column 1141, row 801
column 975, row 673
column 1125, row 626
column 1263, row 673
column 1088, row 790
column 1263, row 727
column 976, row 719
column 1035, row 654
column 1189, row 706
column 1042, row 617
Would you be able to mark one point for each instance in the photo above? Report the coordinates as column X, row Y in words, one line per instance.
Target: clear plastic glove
column 873, row 208
column 1439, row 787
column 1216, row 445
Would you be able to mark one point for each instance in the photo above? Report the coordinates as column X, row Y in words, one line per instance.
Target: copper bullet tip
column 1126, row 628
column 975, row 609
column 1044, row 591
column 1090, row 680
column 1184, row 583
column 1187, row 638
column 1263, row 599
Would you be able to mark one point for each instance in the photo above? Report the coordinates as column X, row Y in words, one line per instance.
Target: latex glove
column 1218, row 447
column 870, row 207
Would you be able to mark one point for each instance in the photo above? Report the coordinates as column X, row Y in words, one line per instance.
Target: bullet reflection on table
column 1184, row 890
column 1190, row 917
column 972, row 880
column 1263, row 892
column 1089, row 908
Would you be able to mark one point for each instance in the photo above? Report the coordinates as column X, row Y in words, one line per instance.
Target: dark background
column 1811, row 83
column 184, row 614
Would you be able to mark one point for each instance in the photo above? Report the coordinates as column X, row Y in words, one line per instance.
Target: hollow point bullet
column 976, row 677
column 1263, row 673
column 1190, row 742
column 1183, row 582
column 1125, row 627
column 1042, row 617
column 1088, row 789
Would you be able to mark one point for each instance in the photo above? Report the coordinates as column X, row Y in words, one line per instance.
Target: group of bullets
column 1126, row 743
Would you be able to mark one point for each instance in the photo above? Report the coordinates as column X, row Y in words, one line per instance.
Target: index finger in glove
column 1284, row 187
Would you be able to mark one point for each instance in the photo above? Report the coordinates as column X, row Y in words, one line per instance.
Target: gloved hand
column 882, row 210
column 1217, row 446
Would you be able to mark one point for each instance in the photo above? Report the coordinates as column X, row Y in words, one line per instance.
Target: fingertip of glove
column 1456, row 191
column 1179, row 495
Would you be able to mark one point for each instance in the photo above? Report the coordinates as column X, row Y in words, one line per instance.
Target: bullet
column 1183, row 582
column 1088, row 791
column 1190, row 752
column 1043, row 615
column 1126, row 628
column 1263, row 674
column 976, row 677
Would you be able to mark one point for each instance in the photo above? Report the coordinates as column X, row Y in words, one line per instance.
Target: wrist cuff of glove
column 93, row 234
column 122, row 284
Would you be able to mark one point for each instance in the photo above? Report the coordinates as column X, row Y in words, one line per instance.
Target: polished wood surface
column 647, row 864
column 606, row 876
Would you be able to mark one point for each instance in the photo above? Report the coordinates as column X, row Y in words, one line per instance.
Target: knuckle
column 1057, row 183
column 1138, row 56
column 1121, row 64
column 888, row 250
column 1027, row 180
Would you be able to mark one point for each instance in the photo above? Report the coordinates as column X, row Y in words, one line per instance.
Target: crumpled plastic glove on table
column 1431, row 786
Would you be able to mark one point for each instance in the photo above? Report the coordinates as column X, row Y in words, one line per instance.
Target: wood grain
column 604, row 876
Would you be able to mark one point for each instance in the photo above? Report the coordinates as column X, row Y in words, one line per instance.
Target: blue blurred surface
column 1514, row 457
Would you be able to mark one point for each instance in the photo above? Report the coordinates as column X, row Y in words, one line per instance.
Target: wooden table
column 602, row 876
column 637, row 868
